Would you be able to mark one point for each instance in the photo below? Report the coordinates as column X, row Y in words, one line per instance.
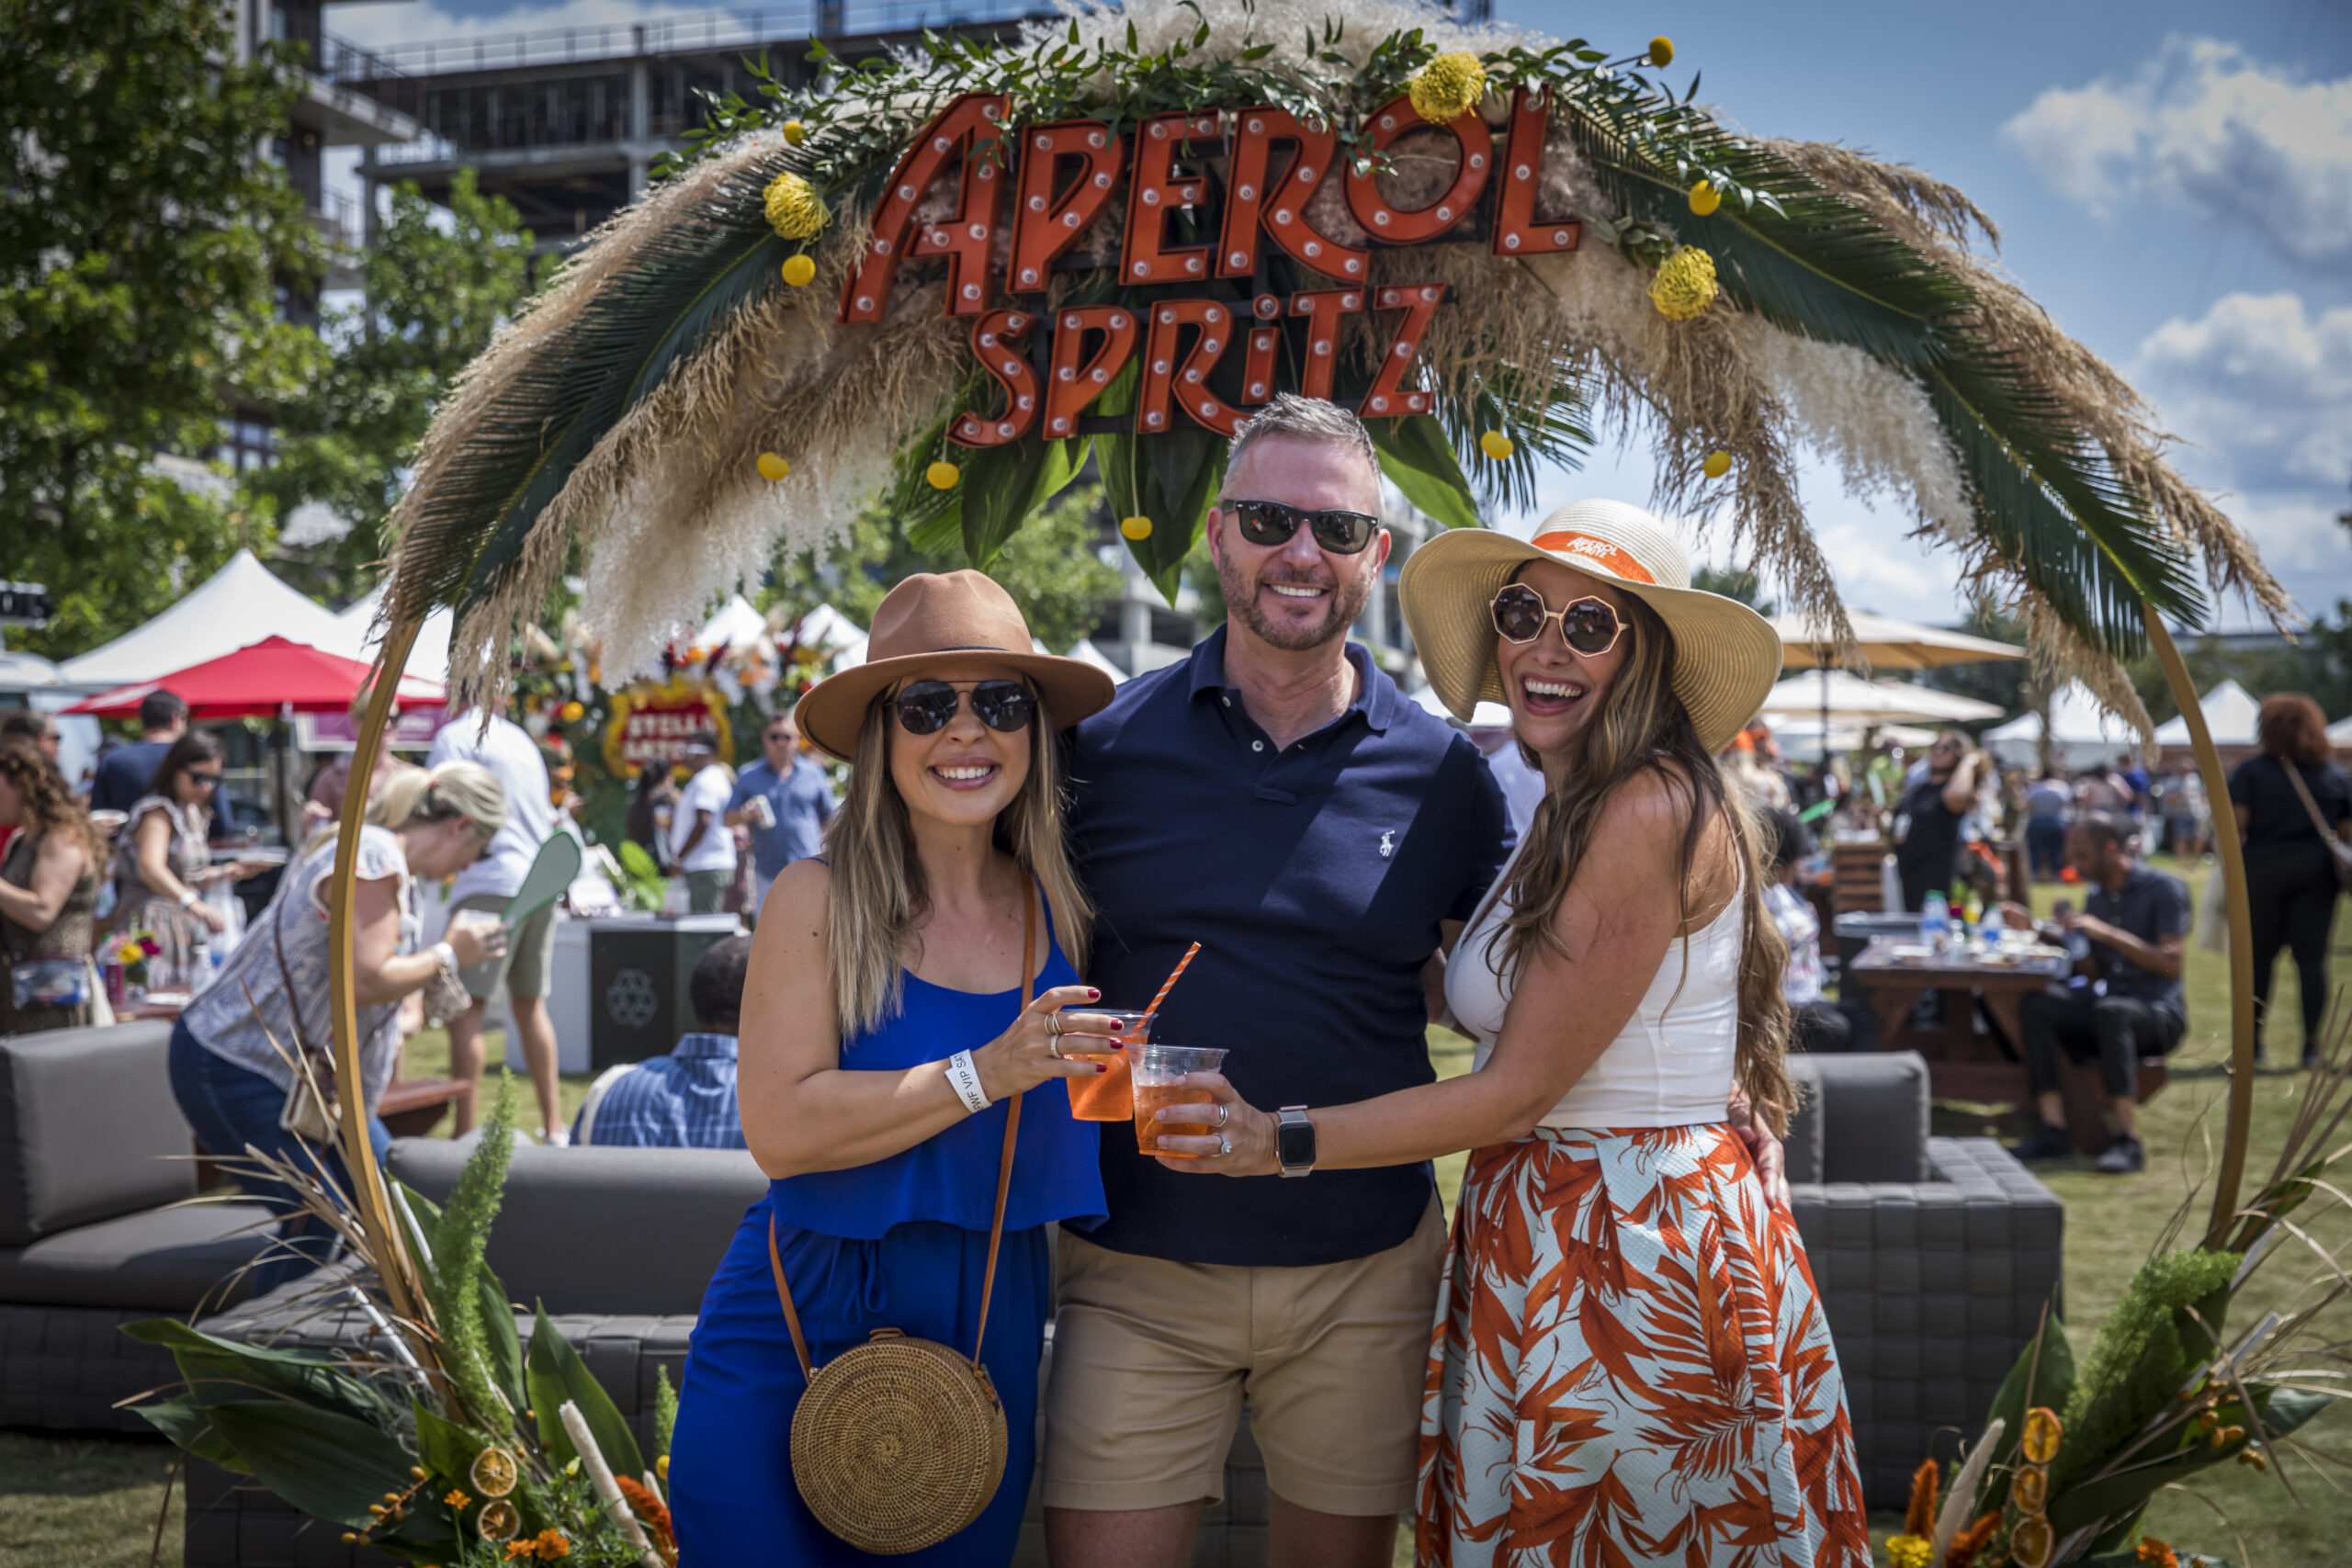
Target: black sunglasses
column 1272, row 522
column 207, row 781
column 925, row 707
column 1590, row 627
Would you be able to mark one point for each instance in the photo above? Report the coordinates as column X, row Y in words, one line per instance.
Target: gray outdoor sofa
column 95, row 1165
column 1934, row 1257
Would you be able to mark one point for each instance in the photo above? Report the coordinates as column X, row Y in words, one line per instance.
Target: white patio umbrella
column 1834, row 694
column 1886, row 643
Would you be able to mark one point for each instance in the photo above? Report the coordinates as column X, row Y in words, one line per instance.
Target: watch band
column 1291, row 1120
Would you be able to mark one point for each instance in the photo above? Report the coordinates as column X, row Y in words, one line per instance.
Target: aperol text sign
column 1202, row 196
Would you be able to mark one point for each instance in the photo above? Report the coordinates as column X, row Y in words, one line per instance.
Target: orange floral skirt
column 1630, row 1365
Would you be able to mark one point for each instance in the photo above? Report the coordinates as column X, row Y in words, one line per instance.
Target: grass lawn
column 91, row 1503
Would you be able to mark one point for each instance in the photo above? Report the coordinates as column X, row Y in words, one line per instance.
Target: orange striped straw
column 1173, row 975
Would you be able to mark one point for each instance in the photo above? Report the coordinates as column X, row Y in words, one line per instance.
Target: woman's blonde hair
column 1643, row 729
column 877, row 900
column 442, row 794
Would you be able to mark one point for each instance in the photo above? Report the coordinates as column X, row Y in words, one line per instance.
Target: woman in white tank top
column 1631, row 1359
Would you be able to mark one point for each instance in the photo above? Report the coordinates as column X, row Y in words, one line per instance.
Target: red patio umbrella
column 267, row 677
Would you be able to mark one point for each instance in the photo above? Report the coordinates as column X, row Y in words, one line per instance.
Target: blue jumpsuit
column 902, row 1243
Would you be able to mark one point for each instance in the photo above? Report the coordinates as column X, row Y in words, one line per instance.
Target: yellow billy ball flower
column 1705, row 197
column 794, row 208
column 1716, row 465
column 1496, row 444
column 1448, row 87
column 943, row 475
column 1661, row 50
column 572, row 712
column 799, row 271
column 772, row 467
column 1685, row 283
column 1135, row 527
column 795, row 132
column 1908, row 1552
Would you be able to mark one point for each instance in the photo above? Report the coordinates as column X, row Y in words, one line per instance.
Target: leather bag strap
column 2295, row 776
column 1003, row 1169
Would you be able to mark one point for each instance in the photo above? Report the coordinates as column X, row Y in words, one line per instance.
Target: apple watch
column 1295, row 1141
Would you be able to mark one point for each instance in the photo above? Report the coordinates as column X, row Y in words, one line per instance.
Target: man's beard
column 1349, row 592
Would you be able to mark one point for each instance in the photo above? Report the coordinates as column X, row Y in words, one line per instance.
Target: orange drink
column 1159, row 1073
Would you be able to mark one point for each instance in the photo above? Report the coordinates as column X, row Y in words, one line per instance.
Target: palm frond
column 460, row 533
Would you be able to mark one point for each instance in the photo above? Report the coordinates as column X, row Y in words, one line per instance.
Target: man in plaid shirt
column 685, row 1099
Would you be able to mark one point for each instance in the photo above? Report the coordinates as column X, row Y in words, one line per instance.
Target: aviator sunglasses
column 925, row 707
column 1272, row 522
column 1589, row 626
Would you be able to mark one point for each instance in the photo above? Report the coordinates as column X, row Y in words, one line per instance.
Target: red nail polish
column 1092, row 995
column 1102, row 1067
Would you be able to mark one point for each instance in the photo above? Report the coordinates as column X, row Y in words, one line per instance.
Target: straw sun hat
column 1726, row 657
column 930, row 620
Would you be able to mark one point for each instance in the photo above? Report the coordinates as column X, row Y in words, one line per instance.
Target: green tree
column 1733, row 582
column 142, row 243
column 1051, row 567
column 437, row 284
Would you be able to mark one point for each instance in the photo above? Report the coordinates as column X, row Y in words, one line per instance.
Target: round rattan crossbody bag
column 900, row 1443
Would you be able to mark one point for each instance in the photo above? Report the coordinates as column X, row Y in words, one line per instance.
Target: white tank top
column 1669, row 1067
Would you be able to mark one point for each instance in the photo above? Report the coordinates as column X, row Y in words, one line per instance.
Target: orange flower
column 458, row 1499
column 1919, row 1518
column 2157, row 1555
column 1970, row 1541
column 649, row 1508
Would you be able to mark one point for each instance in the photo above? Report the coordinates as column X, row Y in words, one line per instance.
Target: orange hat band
column 1601, row 552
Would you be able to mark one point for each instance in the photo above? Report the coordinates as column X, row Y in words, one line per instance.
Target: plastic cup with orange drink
column 1159, row 1073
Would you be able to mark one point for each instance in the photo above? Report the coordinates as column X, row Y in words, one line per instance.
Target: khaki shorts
column 1153, row 1361
column 530, row 952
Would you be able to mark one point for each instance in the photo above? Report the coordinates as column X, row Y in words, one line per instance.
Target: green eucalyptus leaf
column 329, row 1466
column 1416, row 456
column 556, row 1374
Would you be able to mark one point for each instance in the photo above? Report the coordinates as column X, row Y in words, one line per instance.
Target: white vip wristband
column 964, row 1079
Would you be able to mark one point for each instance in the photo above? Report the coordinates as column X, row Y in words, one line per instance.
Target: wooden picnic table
column 1964, row 1064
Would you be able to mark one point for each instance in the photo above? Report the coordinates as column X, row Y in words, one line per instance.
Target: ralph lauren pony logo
column 1387, row 842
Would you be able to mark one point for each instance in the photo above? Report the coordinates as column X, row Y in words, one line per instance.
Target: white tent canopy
column 737, row 624
column 1848, row 697
column 1084, row 648
column 828, row 628
column 2229, row 710
column 238, row 605
column 1799, row 740
column 2339, row 735
column 428, row 659
column 1485, row 716
column 2080, row 732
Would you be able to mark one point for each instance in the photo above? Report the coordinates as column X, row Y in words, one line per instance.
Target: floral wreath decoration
column 1494, row 245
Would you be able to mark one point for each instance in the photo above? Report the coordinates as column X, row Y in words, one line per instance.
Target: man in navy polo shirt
column 1276, row 798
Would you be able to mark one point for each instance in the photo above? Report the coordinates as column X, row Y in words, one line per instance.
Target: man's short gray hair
column 1295, row 418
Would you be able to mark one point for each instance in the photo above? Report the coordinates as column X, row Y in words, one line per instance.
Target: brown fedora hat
column 931, row 619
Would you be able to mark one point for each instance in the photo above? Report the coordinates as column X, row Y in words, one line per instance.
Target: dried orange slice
column 2032, row 1542
column 494, row 1473
column 2038, row 1442
column 2031, row 1490
column 499, row 1521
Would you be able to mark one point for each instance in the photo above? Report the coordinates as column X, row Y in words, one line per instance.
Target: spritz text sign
column 1204, row 200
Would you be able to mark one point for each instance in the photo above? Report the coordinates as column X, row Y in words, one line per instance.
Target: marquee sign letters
column 1240, row 319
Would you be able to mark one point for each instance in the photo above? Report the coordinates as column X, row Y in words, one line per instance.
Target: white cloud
column 2204, row 123
column 2262, row 386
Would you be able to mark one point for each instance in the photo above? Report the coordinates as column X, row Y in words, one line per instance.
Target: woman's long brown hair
column 50, row 805
column 1643, row 729
column 876, row 899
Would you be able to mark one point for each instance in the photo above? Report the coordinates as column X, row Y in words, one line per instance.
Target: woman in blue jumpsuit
column 883, row 1034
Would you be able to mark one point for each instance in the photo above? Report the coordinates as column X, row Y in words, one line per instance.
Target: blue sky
column 2173, row 181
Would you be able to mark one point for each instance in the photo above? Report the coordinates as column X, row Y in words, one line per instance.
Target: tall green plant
column 457, row 1270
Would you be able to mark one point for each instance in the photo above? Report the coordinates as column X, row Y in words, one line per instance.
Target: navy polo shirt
column 1314, row 875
